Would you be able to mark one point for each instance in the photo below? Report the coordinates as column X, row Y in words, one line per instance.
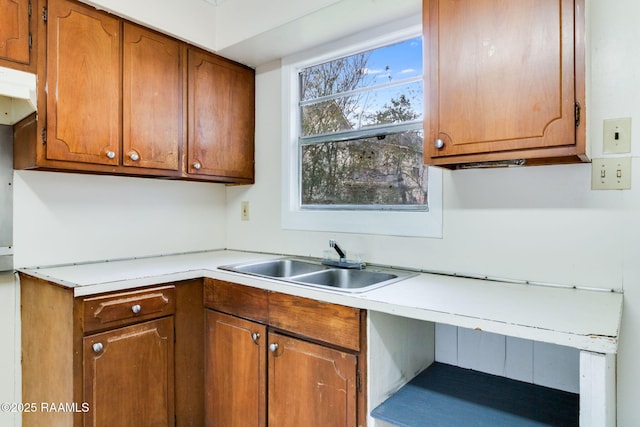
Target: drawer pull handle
column 197, row 165
column 136, row 309
column 111, row 154
column 97, row 347
column 134, row 156
column 255, row 337
column 273, row 347
column 439, row 143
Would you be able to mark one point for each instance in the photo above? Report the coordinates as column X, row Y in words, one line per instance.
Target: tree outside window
column 361, row 138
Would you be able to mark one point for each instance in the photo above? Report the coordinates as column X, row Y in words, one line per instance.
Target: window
column 354, row 152
column 360, row 137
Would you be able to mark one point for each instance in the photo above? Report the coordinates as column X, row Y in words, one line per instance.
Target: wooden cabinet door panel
column 235, row 372
column 310, row 385
column 221, row 117
column 84, row 84
column 152, row 99
column 14, row 30
column 129, row 375
column 501, row 75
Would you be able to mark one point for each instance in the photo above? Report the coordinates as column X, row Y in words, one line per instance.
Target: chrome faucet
column 343, row 263
column 342, row 254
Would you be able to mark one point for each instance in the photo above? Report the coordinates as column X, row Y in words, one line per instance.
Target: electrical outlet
column 611, row 174
column 244, row 210
column 617, row 136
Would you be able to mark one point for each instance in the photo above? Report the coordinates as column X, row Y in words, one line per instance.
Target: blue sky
column 402, row 59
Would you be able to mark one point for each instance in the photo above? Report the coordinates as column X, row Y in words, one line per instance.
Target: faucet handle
column 342, row 254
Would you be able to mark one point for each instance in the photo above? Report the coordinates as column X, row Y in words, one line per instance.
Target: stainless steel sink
column 276, row 268
column 312, row 273
column 347, row 279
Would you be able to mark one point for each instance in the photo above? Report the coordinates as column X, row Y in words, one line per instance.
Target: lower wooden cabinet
column 258, row 374
column 128, row 358
column 129, row 375
column 310, row 384
column 173, row 355
column 235, row 371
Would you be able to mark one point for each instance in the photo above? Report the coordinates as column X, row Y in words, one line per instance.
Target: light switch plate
column 611, row 174
column 244, row 210
column 617, row 135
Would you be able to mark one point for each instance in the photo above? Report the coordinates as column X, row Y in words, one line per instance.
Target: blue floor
column 449, row 396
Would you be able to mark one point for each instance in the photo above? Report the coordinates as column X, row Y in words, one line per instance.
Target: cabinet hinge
column 578, row 109
column 44, row 135
column 29, row 9
column 358, row 382
column 30, row 41
column 44, row 14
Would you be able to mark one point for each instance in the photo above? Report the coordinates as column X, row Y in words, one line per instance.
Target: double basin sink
column 315, row 274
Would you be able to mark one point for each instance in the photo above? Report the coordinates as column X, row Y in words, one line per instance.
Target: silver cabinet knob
column 136, row 308
column 111, row 154
column 197, row 165
column 255, row 337
column 134, row 156
column 273, row 347
column 439, row 143
column 97, row 347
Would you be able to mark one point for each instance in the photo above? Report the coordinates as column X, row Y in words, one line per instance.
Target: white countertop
column 584, row 319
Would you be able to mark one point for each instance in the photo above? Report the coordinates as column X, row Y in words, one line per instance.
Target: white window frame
column 414, row 223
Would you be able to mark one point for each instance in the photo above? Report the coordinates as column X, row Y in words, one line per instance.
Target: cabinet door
column 221, row 117
column 235, row 372
column 152, row 99
column 310, row 385
column 84, row 84
column 500, row 77
column 14, row 30
column 129, row 375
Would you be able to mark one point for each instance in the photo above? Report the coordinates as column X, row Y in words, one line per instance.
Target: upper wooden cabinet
column 15, row 33
column 84, row 76
column 221, row 117
column 153, row 130
column 118, row 98
column 504, row 80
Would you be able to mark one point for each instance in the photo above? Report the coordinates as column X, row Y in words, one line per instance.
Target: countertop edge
column 589, row 342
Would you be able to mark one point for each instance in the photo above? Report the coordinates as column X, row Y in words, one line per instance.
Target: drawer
column 331, row 323
column 238, row 300
column 123, row 308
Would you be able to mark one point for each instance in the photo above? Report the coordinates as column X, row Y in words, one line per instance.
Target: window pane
column 391, row 104
column 368, row 69
column 368, row 171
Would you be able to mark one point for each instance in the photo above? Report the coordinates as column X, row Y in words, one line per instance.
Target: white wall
column 62, row 218
column 541, row 223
